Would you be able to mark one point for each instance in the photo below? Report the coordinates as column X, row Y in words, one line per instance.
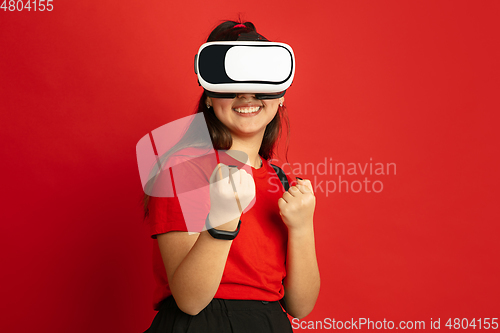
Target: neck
column 251, row 147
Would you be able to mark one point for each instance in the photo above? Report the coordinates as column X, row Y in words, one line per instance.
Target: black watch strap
column 222, row 234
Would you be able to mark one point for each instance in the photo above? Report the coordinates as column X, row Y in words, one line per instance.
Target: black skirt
column 222, row 316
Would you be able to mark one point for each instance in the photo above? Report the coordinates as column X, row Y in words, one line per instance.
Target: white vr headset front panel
column 247, row 63
column 245, row 66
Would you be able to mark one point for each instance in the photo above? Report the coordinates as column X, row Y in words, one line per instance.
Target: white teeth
column 247, row 110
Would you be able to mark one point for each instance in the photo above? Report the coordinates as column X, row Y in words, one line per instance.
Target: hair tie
column 241, row 25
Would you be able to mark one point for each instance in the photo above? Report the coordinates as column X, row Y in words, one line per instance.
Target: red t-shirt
column 255, row 265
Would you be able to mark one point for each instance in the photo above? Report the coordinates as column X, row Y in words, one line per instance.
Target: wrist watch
column 221, row 234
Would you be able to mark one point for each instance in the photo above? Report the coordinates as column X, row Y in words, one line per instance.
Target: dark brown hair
column 220, row 135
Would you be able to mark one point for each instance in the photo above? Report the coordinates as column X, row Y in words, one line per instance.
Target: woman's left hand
column 297, row 205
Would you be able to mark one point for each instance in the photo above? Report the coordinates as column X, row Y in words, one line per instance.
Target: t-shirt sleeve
column 165, row 215
column 184, row 205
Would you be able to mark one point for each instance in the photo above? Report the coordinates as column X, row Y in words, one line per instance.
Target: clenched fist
column 297, row 205
column 228, row 185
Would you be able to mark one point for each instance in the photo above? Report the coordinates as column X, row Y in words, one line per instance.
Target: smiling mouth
column 251, row 109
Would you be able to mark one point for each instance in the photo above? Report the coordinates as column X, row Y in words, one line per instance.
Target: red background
column 411, row 83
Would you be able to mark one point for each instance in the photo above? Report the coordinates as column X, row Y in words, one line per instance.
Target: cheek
column 222, row 109
column 223, row 104
column 271, row 106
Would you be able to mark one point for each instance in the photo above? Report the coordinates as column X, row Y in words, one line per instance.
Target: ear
column 282, row 100
column 208, row 101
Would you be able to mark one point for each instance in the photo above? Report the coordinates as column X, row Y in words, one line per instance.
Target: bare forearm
column 302, row 282
column 198, row 277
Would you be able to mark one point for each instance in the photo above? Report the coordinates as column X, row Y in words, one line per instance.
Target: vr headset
column 228, row 68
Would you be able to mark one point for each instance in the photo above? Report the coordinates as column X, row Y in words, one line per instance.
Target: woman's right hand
column 224, row 210
column 195, row 263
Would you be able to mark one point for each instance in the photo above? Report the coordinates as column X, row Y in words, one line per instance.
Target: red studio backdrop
column 394, row 116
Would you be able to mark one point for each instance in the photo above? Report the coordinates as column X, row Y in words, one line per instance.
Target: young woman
column 208, row 284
